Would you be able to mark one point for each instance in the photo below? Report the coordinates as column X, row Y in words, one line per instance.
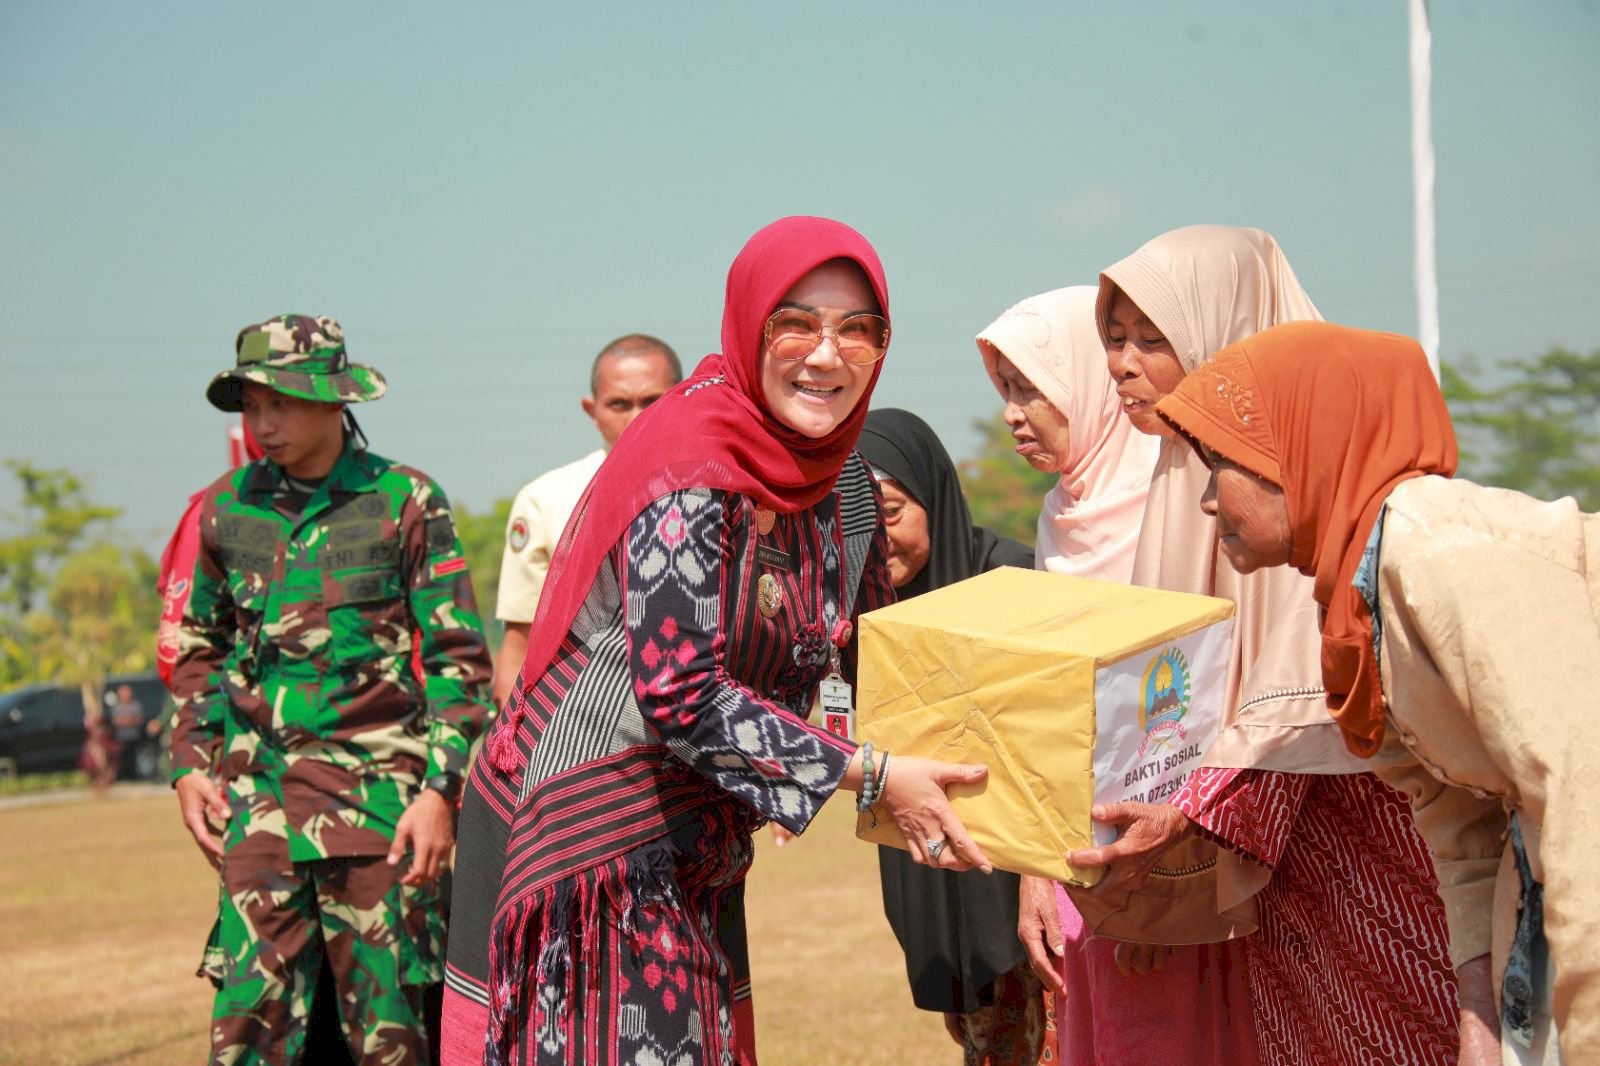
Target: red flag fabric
column 177, row 558
column 242, row 446
column 177, row 569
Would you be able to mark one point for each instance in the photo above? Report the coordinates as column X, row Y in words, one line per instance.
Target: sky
column 485, row 194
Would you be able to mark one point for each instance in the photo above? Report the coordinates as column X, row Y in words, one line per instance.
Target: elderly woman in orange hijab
column 1349, row 963
column 1460, row 643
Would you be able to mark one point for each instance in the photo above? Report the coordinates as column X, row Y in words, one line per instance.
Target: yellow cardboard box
column 1072, row 691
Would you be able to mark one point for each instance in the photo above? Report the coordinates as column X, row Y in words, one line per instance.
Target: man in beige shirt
column 629, row 374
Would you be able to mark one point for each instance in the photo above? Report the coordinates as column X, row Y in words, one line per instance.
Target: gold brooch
column 769, row 595
column 766, row 518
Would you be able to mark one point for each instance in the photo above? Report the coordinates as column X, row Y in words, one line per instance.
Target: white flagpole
column 1427, row 268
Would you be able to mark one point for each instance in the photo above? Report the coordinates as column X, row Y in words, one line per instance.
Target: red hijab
column 1337, row 417
column 711, row 431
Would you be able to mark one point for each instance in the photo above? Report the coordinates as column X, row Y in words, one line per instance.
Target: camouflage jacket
column 295, row 678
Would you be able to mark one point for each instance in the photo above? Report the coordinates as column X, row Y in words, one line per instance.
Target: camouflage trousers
column 383, row 940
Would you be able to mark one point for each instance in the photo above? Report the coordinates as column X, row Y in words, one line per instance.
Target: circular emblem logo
column 769, row 595
column 517, row 536
column 1164, row 699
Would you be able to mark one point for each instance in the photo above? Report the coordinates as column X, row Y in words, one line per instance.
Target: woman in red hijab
column 705, row 588
column 1460, row 648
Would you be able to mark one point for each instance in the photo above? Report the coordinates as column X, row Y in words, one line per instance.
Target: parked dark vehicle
column 41, row 729
column 41, row 726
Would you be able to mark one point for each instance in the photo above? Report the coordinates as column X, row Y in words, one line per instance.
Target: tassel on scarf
column 504, row 755
column 647, row 877
column 508, row 972
column 555, row 957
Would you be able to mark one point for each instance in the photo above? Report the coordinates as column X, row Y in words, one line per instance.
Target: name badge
column 772, row 557
column 838, row 707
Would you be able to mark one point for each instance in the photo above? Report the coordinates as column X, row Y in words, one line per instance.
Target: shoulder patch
column 441, row 533
column 450, row 566
column 517, row 535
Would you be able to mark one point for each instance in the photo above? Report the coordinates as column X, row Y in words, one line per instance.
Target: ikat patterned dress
column 598, row 910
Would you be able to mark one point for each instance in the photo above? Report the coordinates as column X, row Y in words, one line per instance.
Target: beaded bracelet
column 869, row 791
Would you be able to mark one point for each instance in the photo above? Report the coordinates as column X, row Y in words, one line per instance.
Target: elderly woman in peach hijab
column 1460, row 628
column 1349, row 964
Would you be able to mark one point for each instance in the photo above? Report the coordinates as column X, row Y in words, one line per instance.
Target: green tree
column 75, row 604
column 101, row 619
column 55, row 517
column 483, row 541
column 1003, row 491
column 1531, row 425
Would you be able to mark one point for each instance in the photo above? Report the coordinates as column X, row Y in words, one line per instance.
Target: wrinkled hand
column 428, row 830
column 1039, row 929
column 1480, row 1019
column 1141, row 958
column 1148, row 830
column 915, row 798
column 955, row 1027
column 199, row 801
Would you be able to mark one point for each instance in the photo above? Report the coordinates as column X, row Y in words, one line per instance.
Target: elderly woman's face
column 815, row 394
column 1041, row 431
column 1142, row 362
column 1252, row 516
column 907, row 523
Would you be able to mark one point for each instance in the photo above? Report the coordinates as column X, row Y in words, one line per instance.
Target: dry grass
column 104, row 907
column 830, row 981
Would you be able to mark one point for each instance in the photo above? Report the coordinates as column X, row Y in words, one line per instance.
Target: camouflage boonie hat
column 299, row 356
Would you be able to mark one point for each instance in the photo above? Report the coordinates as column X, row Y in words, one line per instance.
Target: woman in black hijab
column 958, row 930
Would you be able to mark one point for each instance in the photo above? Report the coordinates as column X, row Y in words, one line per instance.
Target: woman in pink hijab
column 1045, row 357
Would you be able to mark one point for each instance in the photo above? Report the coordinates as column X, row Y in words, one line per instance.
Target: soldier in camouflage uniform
column 319, row 569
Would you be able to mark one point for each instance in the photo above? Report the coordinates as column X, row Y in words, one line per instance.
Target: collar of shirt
column 356, row 471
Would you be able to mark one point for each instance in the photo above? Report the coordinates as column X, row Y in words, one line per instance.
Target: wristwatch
column 447, row 785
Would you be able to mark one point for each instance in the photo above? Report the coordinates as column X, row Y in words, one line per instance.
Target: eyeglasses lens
column 795, row 334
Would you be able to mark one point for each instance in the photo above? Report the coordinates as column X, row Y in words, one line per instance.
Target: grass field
column 104, row 907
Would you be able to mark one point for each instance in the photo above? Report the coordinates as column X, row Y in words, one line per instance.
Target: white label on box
column 1156, row 713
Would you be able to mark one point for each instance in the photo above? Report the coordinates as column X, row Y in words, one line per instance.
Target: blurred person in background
column 127, row 727
column 958, row 930
column 98, row 756
column 629, row 374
